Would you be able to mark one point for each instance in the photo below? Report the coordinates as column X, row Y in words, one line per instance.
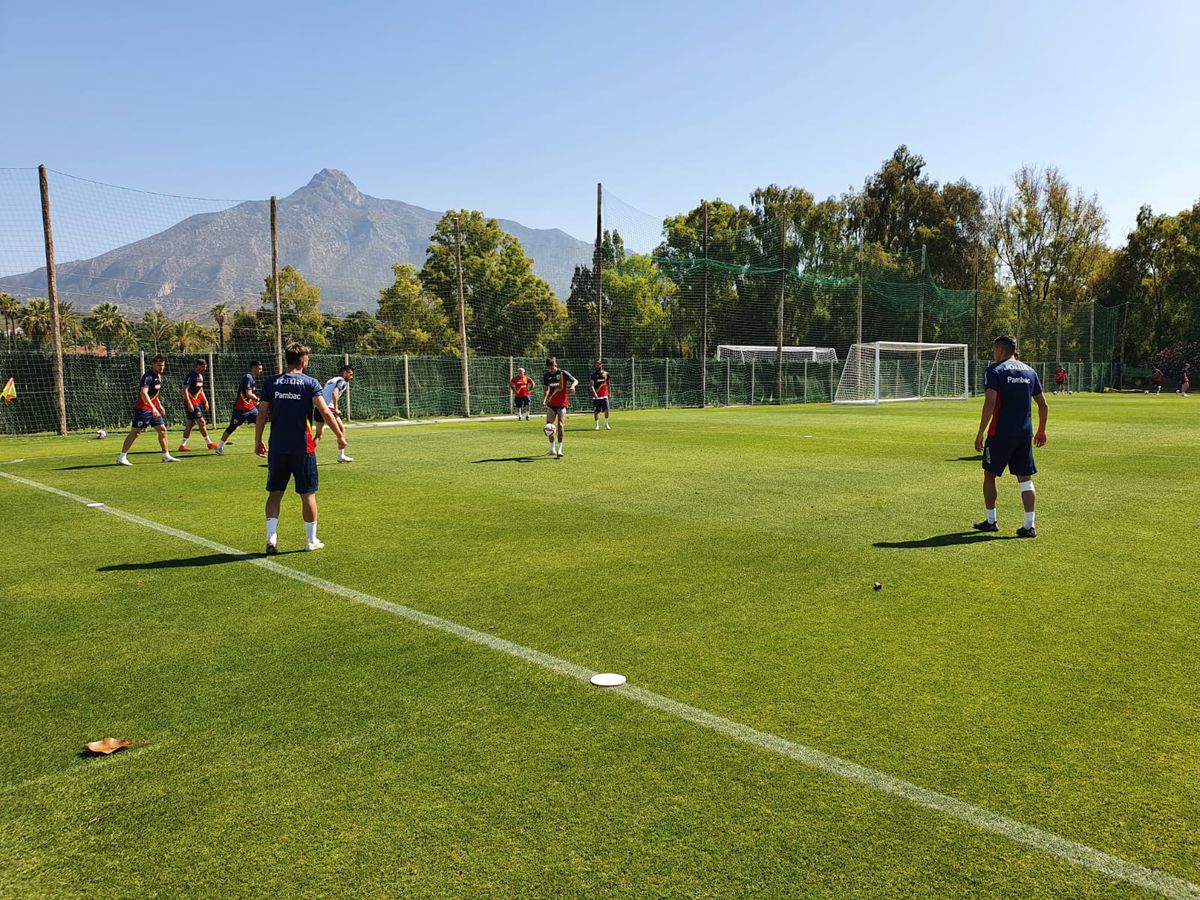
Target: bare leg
column 130, row 438
column 989, row 490
column 274, row 499
column 1028, row 499
column 308, row 506
column 162, row 437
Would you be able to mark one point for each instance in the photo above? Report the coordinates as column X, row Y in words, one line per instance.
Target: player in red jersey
column 600, row 383
column 520, row 385
column 1156, row 379
column 1060, row 380
column 559, row 384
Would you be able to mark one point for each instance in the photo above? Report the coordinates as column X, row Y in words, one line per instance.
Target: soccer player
column 600, row 394
column 1185, row 379
column 288, row 401
column 245, row 404
column 520, row 385
column 1156, row 379
column 1012, row 387
column 559, row 384
column 334, row 388
column 195, row 403
column 1060, row 380
column 148, row 412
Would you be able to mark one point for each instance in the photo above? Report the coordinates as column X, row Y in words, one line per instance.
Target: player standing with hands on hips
column 1012, row 388
column 288, row 401
column 600, row 383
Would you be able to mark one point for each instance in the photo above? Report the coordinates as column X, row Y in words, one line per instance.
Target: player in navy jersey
column 600, row 383
column 1006, row 437
column 195, row 405
column 288, row 401
column 245, row 404
column 1185, row 379
column 559, row 384
column 148, row 412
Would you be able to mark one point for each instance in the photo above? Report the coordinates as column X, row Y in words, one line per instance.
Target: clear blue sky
column 518, row 109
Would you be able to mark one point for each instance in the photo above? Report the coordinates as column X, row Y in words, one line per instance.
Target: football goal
column 770, row 353
column 886, row 371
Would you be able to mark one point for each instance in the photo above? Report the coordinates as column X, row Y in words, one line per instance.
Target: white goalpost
column 889, row 371
column 770, row 353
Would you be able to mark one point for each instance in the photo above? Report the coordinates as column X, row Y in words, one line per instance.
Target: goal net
column 768, row 353
column 886, row 371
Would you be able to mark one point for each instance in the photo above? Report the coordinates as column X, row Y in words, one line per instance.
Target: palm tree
column 10, row 309
column 108, row 323
column 157, row 327
column 35, row 319
column 190, row 337
column 220, row 314
column 70, row 323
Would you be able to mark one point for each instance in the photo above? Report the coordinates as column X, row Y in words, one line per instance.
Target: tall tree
column 299, row 306
column 70, row 324
column 412, row 321
column 509, row 310
column 156, row 330
column 1049, row 238
column 10, row 309
column 221, row 315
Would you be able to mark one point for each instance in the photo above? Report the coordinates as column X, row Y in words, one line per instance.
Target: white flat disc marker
column 608, row 679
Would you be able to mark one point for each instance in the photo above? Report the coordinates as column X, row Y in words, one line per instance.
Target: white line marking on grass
column 457, row 421
column 1080, row 854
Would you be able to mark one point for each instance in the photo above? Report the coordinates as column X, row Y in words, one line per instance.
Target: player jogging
column 1012, row 387
column 195, row 405
column 600, row 394
column 1156, row 379
column 1185, row 379
column 148, row 412
column 520, row 385
column 559, row 385
column 1060, row 380
column 245, row 404
column 288, row 401
column 334, row 388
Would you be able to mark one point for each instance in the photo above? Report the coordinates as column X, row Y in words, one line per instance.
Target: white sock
column 1029, row 520
column 183, row 443
column 272, row 529
column 222, row 444
column 310, row 531
column 166, row 454
column 991, row 516
column 121, row 455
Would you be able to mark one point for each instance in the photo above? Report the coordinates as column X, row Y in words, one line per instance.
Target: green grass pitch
column 304, row 744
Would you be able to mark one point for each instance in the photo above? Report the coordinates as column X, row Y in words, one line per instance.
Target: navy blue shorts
column 242, row 417
column 600, row 404
column 283, row 466
column 196, row 414
column 145, row 418
column 521, row 401
column 1013, row 453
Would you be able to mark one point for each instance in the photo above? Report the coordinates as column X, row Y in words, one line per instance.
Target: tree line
column 1036, row 249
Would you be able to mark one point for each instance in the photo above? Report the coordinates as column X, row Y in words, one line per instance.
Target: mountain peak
column 336, row 182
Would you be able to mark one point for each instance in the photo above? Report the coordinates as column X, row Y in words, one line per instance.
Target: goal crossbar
column 894, row 371
column 770, row 352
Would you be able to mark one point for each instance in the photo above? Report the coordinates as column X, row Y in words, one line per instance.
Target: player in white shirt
column 333, row 391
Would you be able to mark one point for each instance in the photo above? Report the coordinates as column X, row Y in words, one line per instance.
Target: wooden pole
column 462, row 318
column 598, row 264
column 212, row 387
column 60, row 394
column 275, row 284
column 704, row 320
column 510, row 378
column 1058, row 329
column 407, row 407
column 782, row 288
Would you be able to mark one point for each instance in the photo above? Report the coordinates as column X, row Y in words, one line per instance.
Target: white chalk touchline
column 1107, row 864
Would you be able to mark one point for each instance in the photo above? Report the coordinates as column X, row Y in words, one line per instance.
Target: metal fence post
column 667, row 383
column 407, row 408
column 752, row 381
column 346, row 362
column 633, row 382
column 510, row 378
column 806, row 381
column 212, row 386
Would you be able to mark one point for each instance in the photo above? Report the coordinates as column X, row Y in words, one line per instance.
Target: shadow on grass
column 978, row 457
column 190, row 562
column 954, row 539
column 516, row 459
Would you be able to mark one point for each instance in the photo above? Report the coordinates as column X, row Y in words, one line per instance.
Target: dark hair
column 551, row 359
column 159, row 358
column 346, row 368
column 1008, row 342
column 201, row 361
column 255, row 363
column 295, row 352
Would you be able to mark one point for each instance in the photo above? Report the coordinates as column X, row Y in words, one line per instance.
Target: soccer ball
column 101, row 434
column 550, row 429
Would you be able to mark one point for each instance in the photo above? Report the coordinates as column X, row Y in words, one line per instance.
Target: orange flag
column 9, row 392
